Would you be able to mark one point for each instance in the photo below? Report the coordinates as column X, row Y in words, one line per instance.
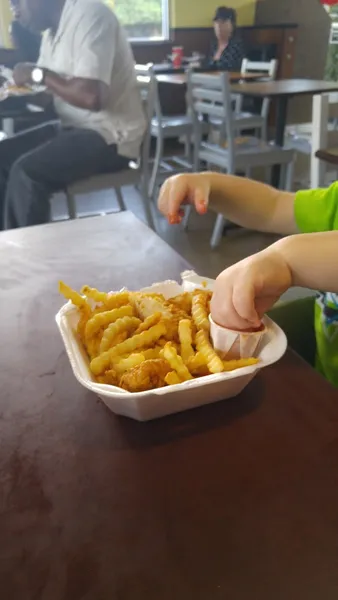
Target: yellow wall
column 199, row 13
column 5, row 19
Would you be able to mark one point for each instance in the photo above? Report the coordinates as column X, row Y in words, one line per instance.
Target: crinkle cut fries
column 140, row 341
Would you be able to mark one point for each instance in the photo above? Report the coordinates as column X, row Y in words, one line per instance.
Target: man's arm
column 245, row 202
column 94, row 51
column 89, row 94
column 84, row 93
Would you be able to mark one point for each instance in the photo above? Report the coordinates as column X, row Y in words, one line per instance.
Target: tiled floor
column 193, row 244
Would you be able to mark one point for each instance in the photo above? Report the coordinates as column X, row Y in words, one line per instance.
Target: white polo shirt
column 91, row 43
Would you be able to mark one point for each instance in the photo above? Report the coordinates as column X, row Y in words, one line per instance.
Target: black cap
column 223, row 13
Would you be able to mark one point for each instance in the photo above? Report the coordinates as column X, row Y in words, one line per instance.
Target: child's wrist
column 286, row 248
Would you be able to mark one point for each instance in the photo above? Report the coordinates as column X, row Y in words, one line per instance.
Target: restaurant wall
column 312, row 42
column 199, row 13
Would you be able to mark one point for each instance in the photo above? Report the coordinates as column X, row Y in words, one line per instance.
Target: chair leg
column 143, row 191
column 119, row 198
column 187, row 146
column 217, row 231
column 156, row 167
column 289, row 176
column 186, row 217
column 71, row 205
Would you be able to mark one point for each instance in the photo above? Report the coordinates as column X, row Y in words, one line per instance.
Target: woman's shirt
column 231, row 57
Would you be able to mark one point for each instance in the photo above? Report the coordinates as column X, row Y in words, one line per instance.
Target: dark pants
column 46, row 159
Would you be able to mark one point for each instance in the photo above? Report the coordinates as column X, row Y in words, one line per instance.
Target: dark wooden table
column 182, row 78
column 20, row 107
column 232, row 501
column 282, row 91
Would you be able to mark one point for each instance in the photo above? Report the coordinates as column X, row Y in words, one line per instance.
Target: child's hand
column 184, row 189
column 245, row 291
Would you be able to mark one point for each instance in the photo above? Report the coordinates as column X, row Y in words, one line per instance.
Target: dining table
column 282, row 91
column 235, row 76
column 17, row 107
column 237, row 499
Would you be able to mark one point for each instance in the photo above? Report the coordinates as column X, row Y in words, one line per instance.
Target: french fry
column 231, row 365
column 94, row 294
column 151, row 353
column 215, row 364
column 130, row 362
column 197, row 363
column 149, row 322
column 121, row 337
column 172, row 378
column 112, row 332
column 183, row 302
column 99, row 364
column 117, row 300
column 93, row 347
column 83, row 320
column 185, row 335
column 74, row 296
column 148, row 354
column 176, row 362
column 199, row 310
column 105, row 318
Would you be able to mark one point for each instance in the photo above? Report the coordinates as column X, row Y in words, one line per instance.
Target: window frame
column 165, row 28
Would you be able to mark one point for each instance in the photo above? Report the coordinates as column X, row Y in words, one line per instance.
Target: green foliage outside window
column 141, row 18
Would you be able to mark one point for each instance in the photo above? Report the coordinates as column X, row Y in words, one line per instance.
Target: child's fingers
column 180, row 190
column 200, row 201
column 243, row 299
column 225, row 314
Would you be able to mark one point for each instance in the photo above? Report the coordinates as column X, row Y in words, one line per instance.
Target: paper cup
column 235, row 344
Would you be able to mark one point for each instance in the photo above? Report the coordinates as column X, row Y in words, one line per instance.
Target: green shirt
column 315, row 211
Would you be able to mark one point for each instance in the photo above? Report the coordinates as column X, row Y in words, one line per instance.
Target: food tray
column 144, row 406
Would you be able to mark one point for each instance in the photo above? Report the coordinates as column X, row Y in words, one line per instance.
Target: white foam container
column 144, row 406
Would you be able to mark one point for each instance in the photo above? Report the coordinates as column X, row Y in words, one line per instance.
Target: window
column 143, row 19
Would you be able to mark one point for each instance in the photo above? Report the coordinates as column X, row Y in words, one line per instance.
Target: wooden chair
column 261, row 120
column 164, row 128
column 138, row 173
column 210, row 97
column 324, row 139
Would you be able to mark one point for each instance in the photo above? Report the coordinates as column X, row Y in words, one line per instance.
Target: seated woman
column 227, row 52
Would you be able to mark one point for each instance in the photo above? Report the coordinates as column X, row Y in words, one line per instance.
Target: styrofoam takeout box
column 144, row 406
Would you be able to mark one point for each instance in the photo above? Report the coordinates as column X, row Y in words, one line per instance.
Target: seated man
column 86, row 63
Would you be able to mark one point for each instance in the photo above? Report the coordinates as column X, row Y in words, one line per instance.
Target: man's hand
column 245, row 291
column 22, row 74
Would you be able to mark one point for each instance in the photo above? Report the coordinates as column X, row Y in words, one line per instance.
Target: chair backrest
column 269, row 68
column 210, row 96
column 141, row 69
column 147, row 85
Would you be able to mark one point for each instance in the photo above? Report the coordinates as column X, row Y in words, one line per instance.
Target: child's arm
column 245, row 291
column 248, row 203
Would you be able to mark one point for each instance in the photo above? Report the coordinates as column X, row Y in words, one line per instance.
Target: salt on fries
column 140, row 341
